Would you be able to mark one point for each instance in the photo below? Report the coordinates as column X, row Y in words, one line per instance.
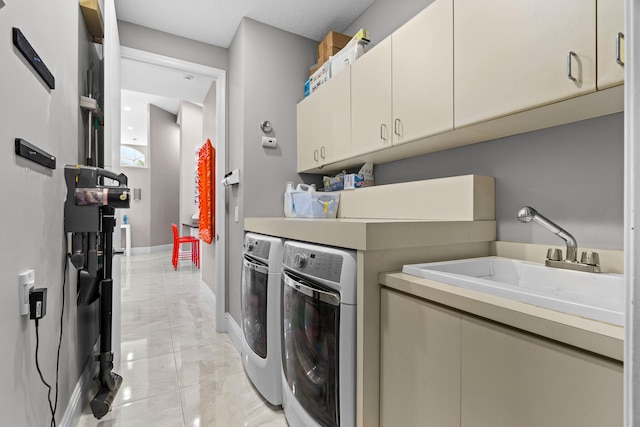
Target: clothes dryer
column 318, row 335
column 261, row 321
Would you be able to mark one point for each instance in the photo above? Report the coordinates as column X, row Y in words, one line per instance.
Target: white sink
column 598, row 296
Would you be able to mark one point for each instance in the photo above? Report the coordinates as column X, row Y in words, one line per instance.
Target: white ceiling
column 215, row 21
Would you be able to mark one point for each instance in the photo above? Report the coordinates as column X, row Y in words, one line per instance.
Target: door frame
column 220, row 79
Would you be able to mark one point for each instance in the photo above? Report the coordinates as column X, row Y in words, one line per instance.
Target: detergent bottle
column 288, row 200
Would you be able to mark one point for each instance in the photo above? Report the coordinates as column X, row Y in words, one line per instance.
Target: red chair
column 194, row 253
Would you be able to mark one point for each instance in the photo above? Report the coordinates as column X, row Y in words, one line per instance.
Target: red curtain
column 207, row 191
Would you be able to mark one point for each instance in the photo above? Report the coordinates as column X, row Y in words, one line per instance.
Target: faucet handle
column 590, row 258
column 554, row 254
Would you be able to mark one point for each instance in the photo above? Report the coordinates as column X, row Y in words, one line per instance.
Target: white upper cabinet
column 422, row 70
column 324, row 124
column 371, row 115
column 514, row 55
column 610, row 43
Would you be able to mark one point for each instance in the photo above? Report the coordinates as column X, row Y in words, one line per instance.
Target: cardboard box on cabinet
column 331, row 44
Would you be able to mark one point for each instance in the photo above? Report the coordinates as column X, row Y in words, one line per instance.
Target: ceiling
column 143, row 84
column 215, row 21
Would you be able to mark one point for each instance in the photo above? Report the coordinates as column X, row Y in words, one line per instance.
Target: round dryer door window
column 310, row 350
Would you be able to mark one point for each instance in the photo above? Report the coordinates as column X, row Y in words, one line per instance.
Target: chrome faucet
column 589, row 260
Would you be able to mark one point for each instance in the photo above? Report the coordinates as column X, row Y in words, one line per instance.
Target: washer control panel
column 314, row 263
column 257, row 248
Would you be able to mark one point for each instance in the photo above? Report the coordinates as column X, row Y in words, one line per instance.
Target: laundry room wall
column 572, row 173
column 146, row 39
column 31, row 217
column 259, row 92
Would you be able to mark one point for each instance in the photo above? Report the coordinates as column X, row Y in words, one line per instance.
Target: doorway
column 144, row 64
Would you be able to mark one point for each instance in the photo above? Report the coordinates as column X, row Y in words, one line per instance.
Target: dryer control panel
column 312, row 263
column 257, row 248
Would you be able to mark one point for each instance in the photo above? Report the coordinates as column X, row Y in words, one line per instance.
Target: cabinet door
column 419, row 362
column 324, row 124
column 422, row 64
column 514, row 55
column 610, row 45
column 510, row 378
column 309, row 127
column 371, row 100
column 335, row 110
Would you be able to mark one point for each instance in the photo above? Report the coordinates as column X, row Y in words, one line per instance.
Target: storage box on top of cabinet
column 458, row 198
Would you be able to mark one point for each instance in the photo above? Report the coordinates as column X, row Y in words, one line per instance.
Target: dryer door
column 255, row 277
column 311, row 324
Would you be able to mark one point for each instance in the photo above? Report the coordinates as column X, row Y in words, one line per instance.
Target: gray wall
column 139, row 214
column 209, row 127
column 190, row 117
column 260, row 93
column 573, row 173
column 143, row 38
column 383, row 17
column 31, row 213
column 164, row 148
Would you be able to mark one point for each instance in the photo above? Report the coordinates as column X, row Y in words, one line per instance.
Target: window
column 130, row 156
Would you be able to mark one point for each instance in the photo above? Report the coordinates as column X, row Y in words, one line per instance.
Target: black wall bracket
column 23, row 45
column 35, row 154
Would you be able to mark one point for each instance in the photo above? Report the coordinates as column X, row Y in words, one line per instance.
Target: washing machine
column 261, row 321
column 318, row 335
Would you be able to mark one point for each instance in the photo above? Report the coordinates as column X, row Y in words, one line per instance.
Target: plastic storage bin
column 307, row 203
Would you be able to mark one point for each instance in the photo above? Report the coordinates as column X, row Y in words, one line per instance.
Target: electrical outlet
column 26, row 282
column 269, row 142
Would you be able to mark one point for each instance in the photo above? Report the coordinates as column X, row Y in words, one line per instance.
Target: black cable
column 40, row 372
column 64, row 283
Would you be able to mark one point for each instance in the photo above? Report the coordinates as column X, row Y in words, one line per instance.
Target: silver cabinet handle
column 619, row 36
column 315, row 155
column 396, row 127
column 322, row 152
column 383, row 132
column 570, row 55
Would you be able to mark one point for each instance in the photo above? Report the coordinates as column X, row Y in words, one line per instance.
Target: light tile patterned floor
column 177, row 370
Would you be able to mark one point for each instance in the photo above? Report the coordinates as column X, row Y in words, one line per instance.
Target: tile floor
column 177, row 370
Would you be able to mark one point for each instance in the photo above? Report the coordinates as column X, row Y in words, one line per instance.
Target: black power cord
column 42, row 377
column 53, row 406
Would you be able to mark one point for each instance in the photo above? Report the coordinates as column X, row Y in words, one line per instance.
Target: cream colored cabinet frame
column 419, row 362
column 512, row 378
column 371, row 115
column 610, row 43
column 512, row 56
column 422, row 70
column 324, row 124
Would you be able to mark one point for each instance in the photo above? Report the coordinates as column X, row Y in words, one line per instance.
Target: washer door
column 311, row 324
column 255, row 277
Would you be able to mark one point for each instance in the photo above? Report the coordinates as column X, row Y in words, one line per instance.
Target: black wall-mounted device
column 37, row 303
column 35, row 154
column 23, row 45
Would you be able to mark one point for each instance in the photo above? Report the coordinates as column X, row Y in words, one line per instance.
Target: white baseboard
column 235, row 333
column 151, row 249
column 80, row 394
